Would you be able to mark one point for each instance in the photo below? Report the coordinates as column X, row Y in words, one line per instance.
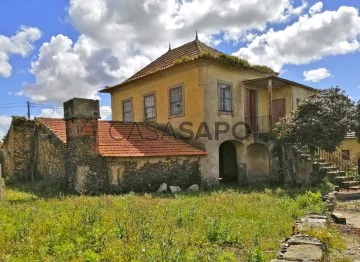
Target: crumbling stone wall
column 146, row 174
column 49, row 159
column 286, row 163
column 17, row 149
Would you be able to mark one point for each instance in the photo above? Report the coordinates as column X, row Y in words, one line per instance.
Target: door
column 278, row 107
column 251, row 115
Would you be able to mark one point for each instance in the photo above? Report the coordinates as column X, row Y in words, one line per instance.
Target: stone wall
column 97, row 175
column 17, row 149
column 49, row 159
column 146, row 174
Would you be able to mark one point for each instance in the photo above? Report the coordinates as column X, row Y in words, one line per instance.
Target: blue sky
column 60, row 49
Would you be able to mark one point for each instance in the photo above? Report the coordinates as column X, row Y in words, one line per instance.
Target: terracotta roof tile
column 191, row 50
column 117, row 139
column 55, row 125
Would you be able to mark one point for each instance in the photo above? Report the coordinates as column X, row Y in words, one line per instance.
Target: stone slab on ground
column 338, row 218
column 304, row 240
column 345, row 196
column 312, row 221
column 352, row 218
column 303, row 253
column 304, row 248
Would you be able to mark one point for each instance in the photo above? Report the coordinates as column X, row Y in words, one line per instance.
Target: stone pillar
column 270, row 95
column 81, row 118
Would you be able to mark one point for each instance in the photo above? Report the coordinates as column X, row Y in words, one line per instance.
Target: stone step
column 324, row 164
column 335, row 173
column 354, row 188
column 350, row 183
column 328, row 168
column 340, row 179
column 320, row 160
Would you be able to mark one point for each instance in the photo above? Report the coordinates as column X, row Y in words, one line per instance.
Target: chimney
column 81, row 118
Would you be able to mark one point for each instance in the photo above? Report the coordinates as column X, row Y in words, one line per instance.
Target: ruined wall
column 148, row 173
column 98, row 175
column 49, row 158
column 17, row 149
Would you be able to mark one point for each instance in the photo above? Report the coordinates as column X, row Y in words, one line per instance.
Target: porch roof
column 277, row 82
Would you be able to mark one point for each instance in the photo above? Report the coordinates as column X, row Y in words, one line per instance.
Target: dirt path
column 350, row 231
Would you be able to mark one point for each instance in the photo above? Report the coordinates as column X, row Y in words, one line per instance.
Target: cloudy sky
column 51, row 51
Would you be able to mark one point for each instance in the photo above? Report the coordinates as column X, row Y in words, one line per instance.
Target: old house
column 192, row 116
column 213, row 93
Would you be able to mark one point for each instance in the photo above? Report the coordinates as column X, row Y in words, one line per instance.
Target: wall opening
column 228, row 171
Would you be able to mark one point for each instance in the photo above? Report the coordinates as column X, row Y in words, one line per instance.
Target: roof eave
column 126, row 82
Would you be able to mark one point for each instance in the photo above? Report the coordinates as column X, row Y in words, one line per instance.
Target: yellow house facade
column 207, row 98
column 350, row 147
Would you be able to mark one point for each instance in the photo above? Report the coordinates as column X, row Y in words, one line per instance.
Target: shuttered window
column 127, row 111
column 149, row 107
column 176, row 101
column 225, row 97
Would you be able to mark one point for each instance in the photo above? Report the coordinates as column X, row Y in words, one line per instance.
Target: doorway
column 228, row 172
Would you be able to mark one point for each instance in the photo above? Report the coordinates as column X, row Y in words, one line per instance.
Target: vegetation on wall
column 182, row 59
column 229, row 59
column 320, row 121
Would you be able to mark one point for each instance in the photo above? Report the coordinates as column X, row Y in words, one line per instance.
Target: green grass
column 220, row 225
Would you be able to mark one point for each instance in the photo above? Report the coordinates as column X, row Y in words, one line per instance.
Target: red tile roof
column 190, row 50
column 117, row 139
column 55, row 125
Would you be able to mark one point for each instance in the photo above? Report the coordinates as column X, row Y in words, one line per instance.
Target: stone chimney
column 81, row 118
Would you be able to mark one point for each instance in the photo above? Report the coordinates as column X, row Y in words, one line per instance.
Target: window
column 149, row 106
column 127, row 110
column 225, row 97
column 345, row 154
column 176, row 101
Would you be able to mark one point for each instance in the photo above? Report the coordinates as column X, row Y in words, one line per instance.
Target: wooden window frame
column 220, row 111
column 132, row 109
column 153, row 93
column 346, row 156
column 181, row 85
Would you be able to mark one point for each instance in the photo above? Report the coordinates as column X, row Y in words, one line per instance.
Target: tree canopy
column 320, row 121
column 357, row 121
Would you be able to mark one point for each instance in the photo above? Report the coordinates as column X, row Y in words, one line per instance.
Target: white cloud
column 105, row 112
column 307, row 40
column 52, row 113
column 316, row 8
column 19, row 44
column 5, row 122
column 58, row 112
column 117, row 38
column 316, row 75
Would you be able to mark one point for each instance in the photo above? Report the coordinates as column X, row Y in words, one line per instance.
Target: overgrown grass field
column 222, row 225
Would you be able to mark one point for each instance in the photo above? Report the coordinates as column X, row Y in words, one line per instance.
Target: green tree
column 357, row 121
column 320, row 121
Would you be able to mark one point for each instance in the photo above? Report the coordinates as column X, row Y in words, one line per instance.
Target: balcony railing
column 260, row 124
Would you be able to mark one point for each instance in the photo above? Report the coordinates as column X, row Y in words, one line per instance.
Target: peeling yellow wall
column 353, row 145
column 193, row 97
column 298, row 94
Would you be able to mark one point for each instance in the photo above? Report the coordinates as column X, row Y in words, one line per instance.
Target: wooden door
column 251, row 114
column 278, row 108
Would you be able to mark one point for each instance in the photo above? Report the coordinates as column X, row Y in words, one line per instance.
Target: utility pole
column 28, row 109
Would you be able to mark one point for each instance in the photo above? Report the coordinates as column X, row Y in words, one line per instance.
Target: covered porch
column 269, row 99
